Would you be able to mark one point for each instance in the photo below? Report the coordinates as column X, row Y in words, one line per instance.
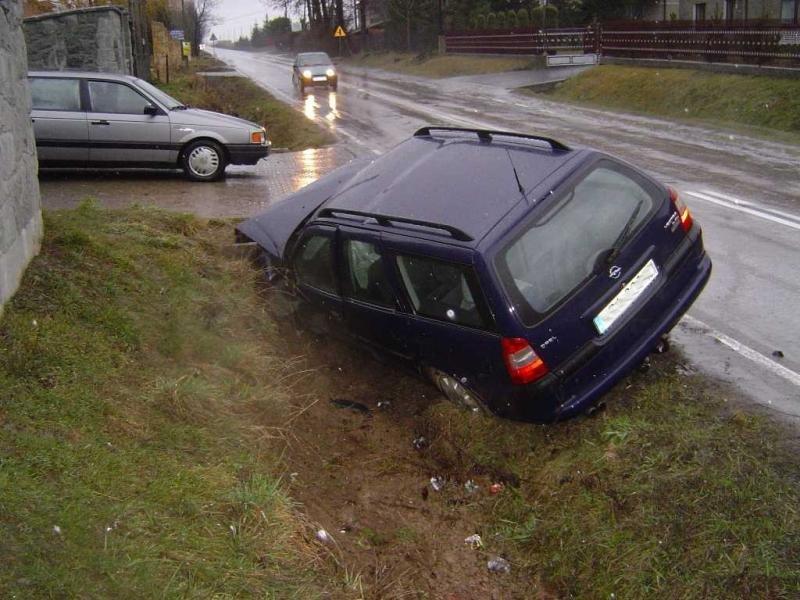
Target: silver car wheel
column 455, row 392
column 203, row 161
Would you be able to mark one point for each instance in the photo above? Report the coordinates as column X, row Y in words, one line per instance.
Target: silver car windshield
column 156, row 93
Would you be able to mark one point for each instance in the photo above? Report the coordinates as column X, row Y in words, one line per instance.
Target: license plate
column 626, row 297
column 320, row 79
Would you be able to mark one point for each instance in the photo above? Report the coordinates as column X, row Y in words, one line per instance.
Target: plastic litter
column 474, row 541
column 384, row 404
column 324, row 537
column 56, row 529
column 420, row 442
column 496, row 488
column 498, row 564
column 471, row 486
column 437, row 483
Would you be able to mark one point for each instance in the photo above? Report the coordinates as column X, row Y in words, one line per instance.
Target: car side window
column 366, row 275
column 113, row 97
column 55, row 94
column 442, row 291
column 313, row 263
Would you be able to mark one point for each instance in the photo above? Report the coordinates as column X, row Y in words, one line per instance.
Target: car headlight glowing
column 330, row 72
column 307, row 74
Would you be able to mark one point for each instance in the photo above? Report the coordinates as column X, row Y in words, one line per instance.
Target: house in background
column 787, row 11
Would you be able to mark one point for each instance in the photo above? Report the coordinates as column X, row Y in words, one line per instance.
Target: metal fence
column 711, row 41
column 520, row 42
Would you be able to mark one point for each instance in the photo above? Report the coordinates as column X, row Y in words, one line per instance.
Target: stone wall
column 87, row 39
column 20, row 213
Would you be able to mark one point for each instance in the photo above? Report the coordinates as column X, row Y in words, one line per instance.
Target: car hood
column 199, row 117
column 272, row 229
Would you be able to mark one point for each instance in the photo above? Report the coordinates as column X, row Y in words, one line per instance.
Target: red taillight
column 683, row 210
column 523, row 365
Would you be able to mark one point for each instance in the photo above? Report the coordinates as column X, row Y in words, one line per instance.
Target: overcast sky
column 237, row 17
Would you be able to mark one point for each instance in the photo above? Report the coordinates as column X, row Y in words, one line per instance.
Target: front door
column 120, row 132
column 59, row 121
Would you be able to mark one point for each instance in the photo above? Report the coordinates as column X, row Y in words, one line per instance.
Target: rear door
column 585, row 261
column 120, row 132
column 371, row 305
column 449, row 318
column 59, row 121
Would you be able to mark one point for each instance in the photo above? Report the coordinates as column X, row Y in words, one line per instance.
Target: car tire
column 455, row 392
column 334, row 87
column 203, row 160
column 302, row 89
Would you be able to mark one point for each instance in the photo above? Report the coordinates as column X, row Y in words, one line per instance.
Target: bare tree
column 199, row 19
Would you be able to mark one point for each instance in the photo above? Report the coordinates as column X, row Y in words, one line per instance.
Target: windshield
column 565, row 245
column 313, row 58
column 160, row 96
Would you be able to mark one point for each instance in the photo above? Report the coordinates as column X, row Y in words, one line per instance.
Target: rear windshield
column 313, row 58
column 572, row 237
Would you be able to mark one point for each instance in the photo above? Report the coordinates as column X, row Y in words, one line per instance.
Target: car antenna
column 516, row 176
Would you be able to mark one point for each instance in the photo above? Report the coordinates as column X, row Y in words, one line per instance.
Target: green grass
column 138, row 392
column 440, row 66
column 771, row 103
column 239, row 96
column 664, row 495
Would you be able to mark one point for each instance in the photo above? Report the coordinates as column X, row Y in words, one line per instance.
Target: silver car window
column 55, row 94
column 112, row 97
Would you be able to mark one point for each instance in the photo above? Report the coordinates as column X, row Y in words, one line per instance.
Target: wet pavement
column 744, row 190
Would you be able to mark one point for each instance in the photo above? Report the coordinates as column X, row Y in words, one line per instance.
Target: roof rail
column 485, row 135
column 386, row 221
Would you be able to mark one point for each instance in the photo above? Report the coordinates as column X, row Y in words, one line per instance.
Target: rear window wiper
column 616, row 247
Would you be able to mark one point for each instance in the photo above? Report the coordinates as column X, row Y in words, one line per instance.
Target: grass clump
column 137, row 398
column 664, row 495
column 241, row 97
column 734, row 100
column 439, row 66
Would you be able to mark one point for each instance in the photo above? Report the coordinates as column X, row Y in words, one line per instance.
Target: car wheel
column 457, row 393
column 203, row 160
column 334, row 87
column 302, row 88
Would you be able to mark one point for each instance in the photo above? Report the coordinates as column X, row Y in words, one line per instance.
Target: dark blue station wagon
column 523, row 277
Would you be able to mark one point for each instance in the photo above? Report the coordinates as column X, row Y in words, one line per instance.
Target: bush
column 511, row 19
column 491, row 21
column 480, row 22
column 473, row 23
column 523, row 19
column 501, row 19
column 545, row 17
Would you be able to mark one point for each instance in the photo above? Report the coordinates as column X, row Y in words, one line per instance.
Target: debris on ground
column 471, row 486
column 350, row 404
column 324, row 537
column 437, row 483
column 498, row 564
column 645, row 366
column 474, row 541
column 383, row 404
column 496, row 488
column 777, row 354
column 420, row 442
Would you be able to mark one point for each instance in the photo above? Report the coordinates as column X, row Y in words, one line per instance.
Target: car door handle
column 33, row 120
column 102, row 122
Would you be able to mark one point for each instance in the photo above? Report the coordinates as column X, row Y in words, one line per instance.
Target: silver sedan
column 83, row 119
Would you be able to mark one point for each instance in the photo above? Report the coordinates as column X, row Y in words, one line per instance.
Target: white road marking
column 745, row 351
column 745, row 207
column 745, row 203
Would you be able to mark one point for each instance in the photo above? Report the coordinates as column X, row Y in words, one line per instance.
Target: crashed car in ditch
column 523, row 277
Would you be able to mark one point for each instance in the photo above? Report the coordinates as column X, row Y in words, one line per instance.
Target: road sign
column 176, row 34
column 339, row 32
column 187, row 48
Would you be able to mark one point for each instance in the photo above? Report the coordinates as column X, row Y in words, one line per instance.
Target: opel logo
column 614, row 272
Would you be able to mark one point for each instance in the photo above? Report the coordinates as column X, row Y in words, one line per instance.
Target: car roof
column 306, row 54
column 461, row 180
column 84, row 75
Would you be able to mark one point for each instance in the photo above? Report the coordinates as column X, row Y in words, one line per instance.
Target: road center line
column 745, row 209
column 745, row 351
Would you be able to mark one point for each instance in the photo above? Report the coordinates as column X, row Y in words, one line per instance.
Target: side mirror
column 151, row 109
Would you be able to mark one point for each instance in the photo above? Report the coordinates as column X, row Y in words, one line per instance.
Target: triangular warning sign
column 339, row 32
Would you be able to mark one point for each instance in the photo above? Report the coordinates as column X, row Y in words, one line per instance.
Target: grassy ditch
column 436, row 66
column 239, row 96
column 731, row 100
column 668, row 494
column 139, row 389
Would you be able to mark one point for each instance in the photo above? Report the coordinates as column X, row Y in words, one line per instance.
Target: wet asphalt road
column 744, row 191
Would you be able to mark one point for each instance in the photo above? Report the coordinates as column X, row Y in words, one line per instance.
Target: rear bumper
column 246, row 154
column 555, row 398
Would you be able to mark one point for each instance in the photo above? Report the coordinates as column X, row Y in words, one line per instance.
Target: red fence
column 754, row 43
